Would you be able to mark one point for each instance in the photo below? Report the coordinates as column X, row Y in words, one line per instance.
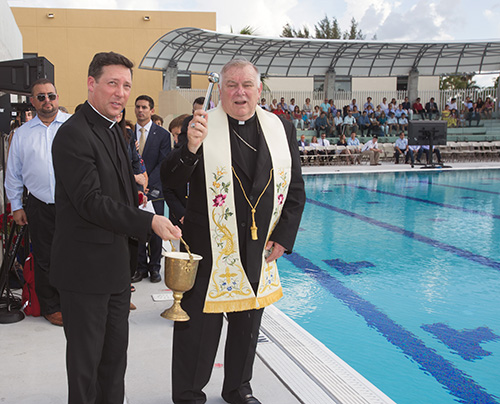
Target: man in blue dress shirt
column 30, row 164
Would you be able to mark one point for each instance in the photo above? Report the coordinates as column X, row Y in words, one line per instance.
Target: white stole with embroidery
column 229, row 289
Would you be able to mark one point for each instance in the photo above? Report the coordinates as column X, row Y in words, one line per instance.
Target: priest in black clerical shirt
column 243, row 212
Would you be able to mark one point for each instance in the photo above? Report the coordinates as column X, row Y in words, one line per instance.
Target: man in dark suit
column 245, row 190
column 96, row 215
column 154, row 145
column 432, row 109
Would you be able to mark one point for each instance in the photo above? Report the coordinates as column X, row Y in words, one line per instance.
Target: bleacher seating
column 464, row 144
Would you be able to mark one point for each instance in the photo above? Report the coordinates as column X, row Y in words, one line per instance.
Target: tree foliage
column 457, row 82
column 324, row 29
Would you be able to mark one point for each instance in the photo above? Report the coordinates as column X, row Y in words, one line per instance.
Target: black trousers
column 195, row 346
column 96, row 329
column 42, row 220
column 150, row 254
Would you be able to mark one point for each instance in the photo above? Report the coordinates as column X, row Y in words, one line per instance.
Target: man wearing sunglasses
column 30, row 165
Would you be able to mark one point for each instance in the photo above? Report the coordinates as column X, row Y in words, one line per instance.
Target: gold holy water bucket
column 180, row 274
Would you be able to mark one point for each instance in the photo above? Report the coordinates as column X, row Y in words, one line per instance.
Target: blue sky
column 405, row 20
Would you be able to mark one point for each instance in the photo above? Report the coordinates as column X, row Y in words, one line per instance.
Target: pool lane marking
column 458, row 187
column 456, row 381
column 412, row 198
column 418, row 237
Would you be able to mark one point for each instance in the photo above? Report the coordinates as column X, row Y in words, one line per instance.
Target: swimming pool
column 399, row 275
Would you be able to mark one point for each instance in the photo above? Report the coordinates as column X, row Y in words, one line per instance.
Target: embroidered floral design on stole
column 227, row 276
column 269, row 276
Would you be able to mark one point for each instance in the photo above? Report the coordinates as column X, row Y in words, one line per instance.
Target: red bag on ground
column 29, row 298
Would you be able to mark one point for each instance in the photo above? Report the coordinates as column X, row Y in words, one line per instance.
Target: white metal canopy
column 203, row 51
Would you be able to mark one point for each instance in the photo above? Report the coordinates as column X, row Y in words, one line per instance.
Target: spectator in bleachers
column 487, row 109
column 314, row 142
column 307, row 108
column 274, row 105
column 393, row 106
column 479, row 103
column 353, row 141
column 321, row 124
column 425, row 149
column 418, row 108
column 445, row 115
column 355, row 113
column 364, row 123
column 453, row 119
column 325, row 107
column 264, row 105
column 297, row 118
column 331, row 123
column 369, row 110
column 368, row 103
column 315, row 115
column 291, row 106
column 371, row 149
column 333, row 108
column 302, row 144
column 407, row 107
column 471, row 112
column 401, row 148
column 283, row 105
column 378, row 111
column 392, row 123
column 452, row 104
column 338, row 121
column 382, row 120
column 403, row 122
column 374, row 124
column 305, row 119
column 342, row 148
column 350, row 123
column 323, row 141
column 384, row 106
column 353, row 104
column 432, row 109
column 400, row 111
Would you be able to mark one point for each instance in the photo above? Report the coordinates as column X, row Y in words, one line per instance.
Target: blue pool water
column 399, row 275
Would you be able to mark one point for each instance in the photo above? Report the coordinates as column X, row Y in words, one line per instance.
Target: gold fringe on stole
column 228, row 306
column 271, row 298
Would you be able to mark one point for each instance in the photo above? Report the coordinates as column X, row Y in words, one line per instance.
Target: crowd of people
column 353, row 151
column 384, row 119
column 88, row 173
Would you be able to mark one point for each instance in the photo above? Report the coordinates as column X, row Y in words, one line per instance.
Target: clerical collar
column 107, row 119
column 242, row 123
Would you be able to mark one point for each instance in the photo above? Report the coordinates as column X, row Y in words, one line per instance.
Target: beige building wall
column 70, row 39
column 374, row 83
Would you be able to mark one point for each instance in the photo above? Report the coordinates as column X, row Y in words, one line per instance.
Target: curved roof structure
column 203, row 51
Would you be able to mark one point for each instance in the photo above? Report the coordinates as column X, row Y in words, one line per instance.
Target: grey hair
column 239, row 63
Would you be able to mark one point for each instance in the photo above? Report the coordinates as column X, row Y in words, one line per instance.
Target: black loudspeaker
column 17, row 76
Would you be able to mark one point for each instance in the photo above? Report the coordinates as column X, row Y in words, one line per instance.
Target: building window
column 184, row 80
column 343, row 83
column 319, row 83
column 402, row 83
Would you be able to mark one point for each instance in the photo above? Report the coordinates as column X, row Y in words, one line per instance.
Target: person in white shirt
column 350, row 123
column 291, row 106
column 323, row 141
column 30, row 165
column 401, row 148
column 264, row 105
column 452, row 104
column 392, row 123
column 371, row 149
column 384, row 106
column 403, row 122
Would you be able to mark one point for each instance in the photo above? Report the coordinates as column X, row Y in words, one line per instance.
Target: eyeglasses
column 41, row 97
